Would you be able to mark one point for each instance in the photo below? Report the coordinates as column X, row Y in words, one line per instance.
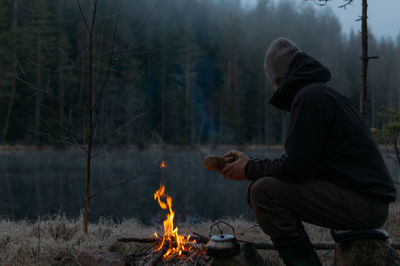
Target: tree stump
column 365, row 252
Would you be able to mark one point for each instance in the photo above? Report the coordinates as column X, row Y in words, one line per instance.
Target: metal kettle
column 223, row 245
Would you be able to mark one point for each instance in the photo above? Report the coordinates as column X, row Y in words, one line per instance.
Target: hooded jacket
column 327, row 140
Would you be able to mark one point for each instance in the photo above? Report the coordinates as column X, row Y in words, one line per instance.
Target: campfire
column 171, row 241
column 171, row 248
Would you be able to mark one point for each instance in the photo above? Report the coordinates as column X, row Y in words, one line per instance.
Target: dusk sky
column 384, row 19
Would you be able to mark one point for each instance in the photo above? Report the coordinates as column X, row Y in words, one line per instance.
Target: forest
column 169, row 72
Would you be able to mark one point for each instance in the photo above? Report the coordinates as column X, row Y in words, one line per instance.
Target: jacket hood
column 303, row 70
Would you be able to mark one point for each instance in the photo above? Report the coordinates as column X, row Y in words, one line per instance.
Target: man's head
column 278, row 58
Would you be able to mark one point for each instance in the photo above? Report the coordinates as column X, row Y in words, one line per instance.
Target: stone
column 100, row 258
column 365, row 252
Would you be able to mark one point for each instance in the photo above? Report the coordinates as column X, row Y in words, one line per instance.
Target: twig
column 122, row 126
column 199, row 238
column 248, row 229
column 116, row 185
column 83, row 16
column 138, row 240
column 111, row 55
column 141, row 27
column 346, row 4
column 325, row 2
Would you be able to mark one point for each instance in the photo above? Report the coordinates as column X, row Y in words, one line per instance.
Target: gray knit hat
column 278, row 58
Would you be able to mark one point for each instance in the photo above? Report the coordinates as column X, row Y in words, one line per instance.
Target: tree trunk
column 228, row 74
column 187, row 72
column 189, row 113
column 373, row 107
column 14, row 75
column 38, row 101
column 364, row 58
column 163, row 96
column 61, row 95
column 90, row 133
column 8, row 184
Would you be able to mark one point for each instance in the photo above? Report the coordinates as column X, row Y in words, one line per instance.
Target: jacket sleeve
column 306, row 138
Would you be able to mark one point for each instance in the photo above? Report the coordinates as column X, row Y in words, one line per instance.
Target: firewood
column 139, row 240
column 199, row 239
column 156, row 257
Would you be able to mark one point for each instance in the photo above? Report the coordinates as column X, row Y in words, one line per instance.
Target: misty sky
column 384, row 19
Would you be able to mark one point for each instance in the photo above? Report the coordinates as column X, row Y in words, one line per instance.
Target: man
column 331, row 174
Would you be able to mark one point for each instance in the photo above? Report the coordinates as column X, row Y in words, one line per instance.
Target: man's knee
column 264, row 189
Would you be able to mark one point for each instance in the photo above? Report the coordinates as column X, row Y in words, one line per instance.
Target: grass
column 57, row 240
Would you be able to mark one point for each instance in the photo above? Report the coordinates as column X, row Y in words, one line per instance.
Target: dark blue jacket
column 328, row 139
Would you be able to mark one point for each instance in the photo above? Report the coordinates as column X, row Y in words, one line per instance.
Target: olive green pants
column 281, row 206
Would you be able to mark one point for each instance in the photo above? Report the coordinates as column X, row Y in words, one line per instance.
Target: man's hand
column 235, row 164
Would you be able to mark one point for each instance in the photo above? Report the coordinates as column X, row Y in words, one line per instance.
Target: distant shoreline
column 19, row 147
column 249, row 147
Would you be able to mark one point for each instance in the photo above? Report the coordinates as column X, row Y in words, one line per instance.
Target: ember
column 174, row 243
column 163, row 164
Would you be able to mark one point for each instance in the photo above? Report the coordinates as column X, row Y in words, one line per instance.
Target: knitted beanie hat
column 278, row 58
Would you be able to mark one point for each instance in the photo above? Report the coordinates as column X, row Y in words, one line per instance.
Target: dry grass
column 57, row 240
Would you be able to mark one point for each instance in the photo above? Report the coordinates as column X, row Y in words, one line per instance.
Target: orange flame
column 176, row 244
column 163, row 164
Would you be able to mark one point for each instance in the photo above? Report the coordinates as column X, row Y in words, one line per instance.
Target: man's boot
column 298, row 252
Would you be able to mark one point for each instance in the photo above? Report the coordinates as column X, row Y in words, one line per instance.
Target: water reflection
column 36, row 183
column 41, row 183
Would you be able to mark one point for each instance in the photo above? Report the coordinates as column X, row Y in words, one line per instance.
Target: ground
column 57, row 240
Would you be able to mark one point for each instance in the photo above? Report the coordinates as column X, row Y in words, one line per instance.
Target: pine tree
column 38, row 30
column 8, row 53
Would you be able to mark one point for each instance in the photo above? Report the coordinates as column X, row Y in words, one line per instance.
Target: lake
column 39, row 182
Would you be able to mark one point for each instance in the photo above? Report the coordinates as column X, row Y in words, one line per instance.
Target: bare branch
column 141, row 26
column 93, row 17
column 111, row 55
column 83, row 16
column 123, row 125
column 117, row 184
column 346, row 4
column 325, row 2
column 148, row 17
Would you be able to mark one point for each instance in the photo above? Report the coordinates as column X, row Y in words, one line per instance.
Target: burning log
column 177, row 244
column 149, row 240
column 156, row 257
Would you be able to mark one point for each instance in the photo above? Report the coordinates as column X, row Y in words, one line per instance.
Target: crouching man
column 331, row 174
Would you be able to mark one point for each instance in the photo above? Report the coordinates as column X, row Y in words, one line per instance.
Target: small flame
column 163, row 164
column 176, row 244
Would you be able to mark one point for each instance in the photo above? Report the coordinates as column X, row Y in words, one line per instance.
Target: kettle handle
column 221, row 222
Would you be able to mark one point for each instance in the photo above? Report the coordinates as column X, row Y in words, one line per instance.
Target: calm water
column 42, row 183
